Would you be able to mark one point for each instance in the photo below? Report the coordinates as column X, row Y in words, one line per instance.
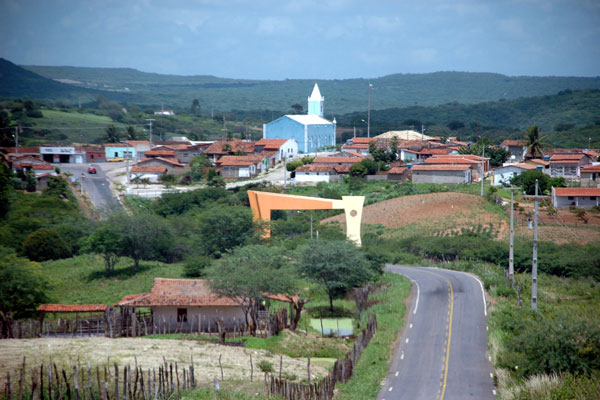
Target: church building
column 311, row 131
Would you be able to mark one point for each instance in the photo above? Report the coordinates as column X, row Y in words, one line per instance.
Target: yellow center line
column 449, row 338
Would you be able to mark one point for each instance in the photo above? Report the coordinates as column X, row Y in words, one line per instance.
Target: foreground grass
column 82, row 279
column 374, row 363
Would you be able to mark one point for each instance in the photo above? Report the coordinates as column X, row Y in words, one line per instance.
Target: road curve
column 443, row 351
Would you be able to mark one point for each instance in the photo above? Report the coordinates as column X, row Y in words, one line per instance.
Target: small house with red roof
column 313, row 173
column 283, row 148
column 398, row 174
column 578, row 197
column 516, row 148
column 234, row 167
column 503, row 175
column 590, row 177
column 152, row 173
column 568, row 165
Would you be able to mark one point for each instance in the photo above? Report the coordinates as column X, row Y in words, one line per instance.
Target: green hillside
column 341, row 96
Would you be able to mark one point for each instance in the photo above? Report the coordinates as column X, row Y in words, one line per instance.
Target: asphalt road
column 96, row 186
column 443, row 352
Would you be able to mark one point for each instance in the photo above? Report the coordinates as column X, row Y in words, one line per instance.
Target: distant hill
column 341, row 96
column 568, row 107
column 18, row 82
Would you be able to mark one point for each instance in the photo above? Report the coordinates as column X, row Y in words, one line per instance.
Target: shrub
column 46, row 244
column 195, row 265
column 265, row 366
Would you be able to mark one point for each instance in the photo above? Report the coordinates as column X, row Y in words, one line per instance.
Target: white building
column 578, row 197
column 503, row 175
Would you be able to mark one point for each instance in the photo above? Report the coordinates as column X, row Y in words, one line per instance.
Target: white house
column 152, row 173
column 578, row 197
column 504, row 174
column 285, row 148
column 516, row 148
column 312, row 173
column 441, row 173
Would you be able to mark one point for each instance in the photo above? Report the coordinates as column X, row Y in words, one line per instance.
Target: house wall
column 443, row 177
column 517, row 151
column 564, row 170
column 407, row 156
column 397, row 177
column 505, row 174
column 186, row 156
column 590, row 180
column 577, row 201
column 153, row 177
column 312, row 177
column 118, row 152
column 231, row 315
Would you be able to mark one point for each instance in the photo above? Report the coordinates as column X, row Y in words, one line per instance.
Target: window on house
column 570, row 197
column 182, row 315
column 592, row 197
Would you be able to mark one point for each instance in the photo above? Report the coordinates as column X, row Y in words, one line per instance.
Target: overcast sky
column 316, row 39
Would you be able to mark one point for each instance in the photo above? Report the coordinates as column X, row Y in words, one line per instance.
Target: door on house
column 182, row 315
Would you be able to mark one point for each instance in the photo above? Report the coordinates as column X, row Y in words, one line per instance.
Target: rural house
column 233, row 167
column 568, row 165
column 284, row 148
column 312, row 173
column 590, row 177
column 503, row 175
column 153, row 174
column 516, row 148
column 187, row 302
column 578, row 197
column 441, row 173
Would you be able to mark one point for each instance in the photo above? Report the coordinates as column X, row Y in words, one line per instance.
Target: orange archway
column 263, row 202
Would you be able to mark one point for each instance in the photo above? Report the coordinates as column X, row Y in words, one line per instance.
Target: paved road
column 443, row 352
column 96, row 186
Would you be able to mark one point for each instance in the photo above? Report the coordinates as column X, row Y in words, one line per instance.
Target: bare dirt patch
column 149, row 353
column 441, row 211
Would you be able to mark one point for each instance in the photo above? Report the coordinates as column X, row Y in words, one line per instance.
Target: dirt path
column 149, row 353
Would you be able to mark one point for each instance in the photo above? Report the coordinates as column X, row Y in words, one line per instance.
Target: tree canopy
column 336, row 265
column 247, row 273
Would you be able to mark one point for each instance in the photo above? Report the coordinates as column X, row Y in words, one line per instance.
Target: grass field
column 82, row 280
column 77, row 127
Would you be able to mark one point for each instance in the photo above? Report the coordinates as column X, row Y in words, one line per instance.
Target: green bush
column 46, row 244
column 195, row 265
column 265, row 366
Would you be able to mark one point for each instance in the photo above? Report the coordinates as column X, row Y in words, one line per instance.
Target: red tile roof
column 593, row 168
column 171, row 161
column 341, row 169
column 398, row 170
column 314, row 168
column 539, row 161
column 235, row 144
column 178, row 292
column 523, row 166
column 72, row 308
column 447, row 160
column 514, row 143
column 271, row 144
column 566, row 157
column 336, row 160
column 440, row 167
column 356, row 146
column 353, row 153
column 240, row 160
column 166, row 153
column 42, row 166
column 137, row 142
column 577, row 192
column 141, row 168
column 363, row 140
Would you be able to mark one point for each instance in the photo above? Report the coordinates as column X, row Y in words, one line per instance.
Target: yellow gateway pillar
column 263, row 202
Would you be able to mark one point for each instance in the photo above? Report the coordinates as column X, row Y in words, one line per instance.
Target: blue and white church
column 312, row 132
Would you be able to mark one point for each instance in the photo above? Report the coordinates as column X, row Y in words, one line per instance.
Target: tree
column 46, row 244
column 31, row 181
column 298, row 109
column 216, row 181
column 131, row 133
column 112, row 134
column 454, row 125
column 358, row 170
column 195, row 108
column 58, row 186
column 336, row 265
column 535, row 145
column 497, row 155
column 247, row 273
column 526, row 180
column 223, row 228
column 138, row 236
column 5, row 189
column 22, row 288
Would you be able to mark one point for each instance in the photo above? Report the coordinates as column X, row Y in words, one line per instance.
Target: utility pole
column 311, row 226
column 511, row 254
column 482, row 173
column 535, row 256
column 17, row 139
column 150, row 123
column 369, row 111
column 284, row 172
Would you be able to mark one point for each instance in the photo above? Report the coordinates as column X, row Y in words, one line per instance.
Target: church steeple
column 315, row 102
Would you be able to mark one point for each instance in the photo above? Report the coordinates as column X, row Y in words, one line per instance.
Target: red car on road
column 91, row 169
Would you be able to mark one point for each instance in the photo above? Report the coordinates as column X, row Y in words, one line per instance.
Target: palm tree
column 535, row 145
